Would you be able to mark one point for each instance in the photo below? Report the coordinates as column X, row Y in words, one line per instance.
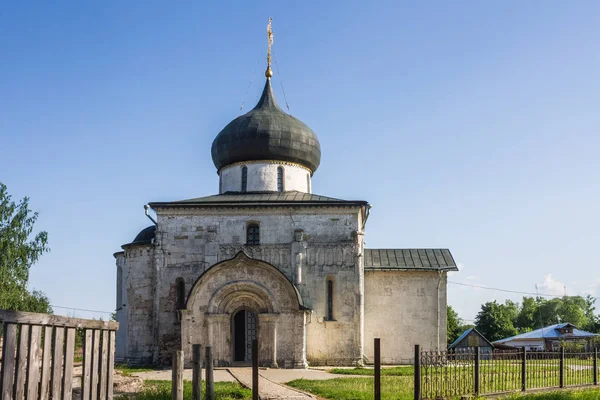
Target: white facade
column 266, row 259
column 265, row 177
column 309, row 246
column 407, row 302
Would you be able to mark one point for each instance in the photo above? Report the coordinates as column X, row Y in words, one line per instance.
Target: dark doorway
column 244, row 331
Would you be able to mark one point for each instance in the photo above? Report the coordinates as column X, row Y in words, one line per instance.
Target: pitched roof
column 550, row 332
column 410, row 259
column 464, row 335
column 230, row 199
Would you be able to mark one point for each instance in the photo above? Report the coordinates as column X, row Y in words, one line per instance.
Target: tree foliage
column 454, row 324
column 19, row 250
column 495, row 320
column 498, row 321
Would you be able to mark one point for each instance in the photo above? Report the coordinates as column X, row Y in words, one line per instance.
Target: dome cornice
column 293, row 164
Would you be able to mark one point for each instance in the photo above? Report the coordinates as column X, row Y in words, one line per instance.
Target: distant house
column 548, row 338
column 470, row 339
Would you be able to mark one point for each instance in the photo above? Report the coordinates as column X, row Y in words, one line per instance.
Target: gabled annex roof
column 409, row 260
column 228, row 199
column 550, row 332
column 464, row 335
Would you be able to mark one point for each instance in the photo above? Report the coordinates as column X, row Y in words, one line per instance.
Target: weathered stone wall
column 139, row 278
column 401, row 308
column 306, row 245
column 309, row 246
column 262, row 176
column 121, row 306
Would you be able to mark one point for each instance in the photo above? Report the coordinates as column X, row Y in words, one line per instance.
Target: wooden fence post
column 417, row 372
column 562, row 367
column 477, row 374
column 524, row 369
column 595, row 366
column 177, row 378
column 38, row 356
column 210, row 379
column 8, row 361
column 197, row 372
column 377, row 374
column 255, row 369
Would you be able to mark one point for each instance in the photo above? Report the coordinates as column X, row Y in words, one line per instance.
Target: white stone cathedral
column 268, row 259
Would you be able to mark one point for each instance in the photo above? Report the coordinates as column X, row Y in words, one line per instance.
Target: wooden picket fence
column 38, row 354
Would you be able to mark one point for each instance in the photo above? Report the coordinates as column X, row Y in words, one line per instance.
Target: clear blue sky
column 468, row 125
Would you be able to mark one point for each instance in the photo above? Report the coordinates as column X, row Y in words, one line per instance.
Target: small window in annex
column 253, row 234
column 330, row 300
column 119, row 287
column 280, row 179
column 244, row 178
column 180, row 293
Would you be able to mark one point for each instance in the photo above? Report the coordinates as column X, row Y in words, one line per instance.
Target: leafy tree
column 572, row 309
column 593, row 324
column 454, row 324
column 527, row 315
column 512, row 308
column 548, row 312
column 18, row 252
column 38, row 302
column 495, row 321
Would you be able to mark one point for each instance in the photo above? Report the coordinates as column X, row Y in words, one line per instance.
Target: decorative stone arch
column 253, row 285
column 253, row 295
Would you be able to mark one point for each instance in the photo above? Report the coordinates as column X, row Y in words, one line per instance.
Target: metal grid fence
column 469, row 372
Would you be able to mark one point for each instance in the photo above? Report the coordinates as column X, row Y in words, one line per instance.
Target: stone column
column 299, row 330
column 219, row 337
column 186, row 337
column 267, row 340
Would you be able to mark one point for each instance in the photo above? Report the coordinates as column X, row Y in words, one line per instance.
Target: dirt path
column 220, row 375
column 267, row 389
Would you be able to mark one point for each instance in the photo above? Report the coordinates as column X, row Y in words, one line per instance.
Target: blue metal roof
column 550, row 332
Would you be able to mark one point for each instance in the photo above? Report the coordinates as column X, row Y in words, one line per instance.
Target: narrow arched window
column 244, row 178
column 280, row 179
column 119, row 287
column 330, row 300
column 252, row 234
column 180, row 289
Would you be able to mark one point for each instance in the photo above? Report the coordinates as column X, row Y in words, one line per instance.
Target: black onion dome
column 145, row 236
column 266, row 133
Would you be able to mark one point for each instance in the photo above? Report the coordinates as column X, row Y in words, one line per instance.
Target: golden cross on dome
column 269, row 72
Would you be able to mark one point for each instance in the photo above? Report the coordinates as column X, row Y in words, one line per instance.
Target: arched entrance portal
column 238, row 300
column 244, row 329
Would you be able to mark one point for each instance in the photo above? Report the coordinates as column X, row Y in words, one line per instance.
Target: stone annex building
column 266, row 258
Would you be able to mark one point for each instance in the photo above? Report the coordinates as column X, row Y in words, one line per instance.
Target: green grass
column 391, row 371
column 127, row 370
column 392, row 388
column 583, row 394
column 401, row 388
column 161, row 390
